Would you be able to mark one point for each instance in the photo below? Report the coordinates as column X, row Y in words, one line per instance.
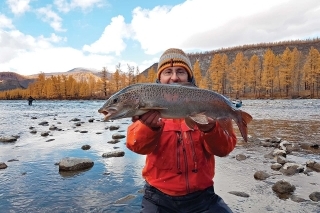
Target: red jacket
column 179, row 160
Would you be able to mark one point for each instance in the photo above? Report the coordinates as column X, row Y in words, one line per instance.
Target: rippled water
column 32, row 183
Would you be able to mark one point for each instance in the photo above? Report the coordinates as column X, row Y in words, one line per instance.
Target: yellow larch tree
column 197, row 72
column 268, row 72
column 238, row 73
column 312, row 71
column 285, row 71
column 254, row 75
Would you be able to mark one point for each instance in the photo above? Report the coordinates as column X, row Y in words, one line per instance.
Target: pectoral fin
column 192, row 120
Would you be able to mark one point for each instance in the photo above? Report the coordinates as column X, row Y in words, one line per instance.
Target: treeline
column 290, row 74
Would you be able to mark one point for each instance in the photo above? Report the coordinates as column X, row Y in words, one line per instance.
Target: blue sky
column 59, row 35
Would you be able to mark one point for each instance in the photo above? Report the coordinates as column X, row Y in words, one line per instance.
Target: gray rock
column 75, row 119
column 282, row 160
column 291, row 169
column 240, row 194
column 53, row 127
column 86, row 147
column 33, row 131
column 315, row 196
column 283, row 187
column 241, row 157
column 75, row 164
column 44, row 134
column 44, row 123
column 118, row 136
column 114, row 128
column 113, row 154
column 313, row 165
column 3, row 165
column 8, row 139
column 276, row 166
column 261, row 175
column 114, row 141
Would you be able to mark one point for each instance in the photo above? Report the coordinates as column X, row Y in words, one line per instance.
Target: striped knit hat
column 175, row 57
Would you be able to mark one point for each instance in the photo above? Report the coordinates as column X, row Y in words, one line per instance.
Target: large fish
column 175, row 101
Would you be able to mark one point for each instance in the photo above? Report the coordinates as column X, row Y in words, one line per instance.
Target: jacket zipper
column 194, row 156
column 178, row 153
column 180, row 142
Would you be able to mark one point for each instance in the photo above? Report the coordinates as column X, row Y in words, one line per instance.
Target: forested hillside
column 288, row 69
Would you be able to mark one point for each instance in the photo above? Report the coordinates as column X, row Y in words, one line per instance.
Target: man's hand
column 151, row 119
column 207, row 127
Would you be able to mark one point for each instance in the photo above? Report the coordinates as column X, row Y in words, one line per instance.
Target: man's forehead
column 176, row 68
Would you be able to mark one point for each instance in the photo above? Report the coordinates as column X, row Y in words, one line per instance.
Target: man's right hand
column 151, row 119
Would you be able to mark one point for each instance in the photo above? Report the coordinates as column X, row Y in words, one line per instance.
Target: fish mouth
column 107, row 112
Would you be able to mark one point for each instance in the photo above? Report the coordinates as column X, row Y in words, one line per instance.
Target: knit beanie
column 175, row 57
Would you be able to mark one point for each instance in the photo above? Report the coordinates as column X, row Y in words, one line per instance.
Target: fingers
column 207, row 127
column 151, row 119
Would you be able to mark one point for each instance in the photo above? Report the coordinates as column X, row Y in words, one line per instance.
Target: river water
column 32, row 182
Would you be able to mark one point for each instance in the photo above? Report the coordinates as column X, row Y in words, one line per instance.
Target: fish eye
column 115, row 100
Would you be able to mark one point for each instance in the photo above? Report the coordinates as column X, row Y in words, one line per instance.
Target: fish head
column 121, row 105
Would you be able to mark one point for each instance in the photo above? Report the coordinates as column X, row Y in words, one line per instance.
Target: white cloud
column 49, row 16
column 200, row 24
column 66, row 6
column 18, row 6
column 56, row 60
column 5, row 22
column 112, row 39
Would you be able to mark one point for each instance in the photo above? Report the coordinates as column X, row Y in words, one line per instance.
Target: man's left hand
column 207, row 127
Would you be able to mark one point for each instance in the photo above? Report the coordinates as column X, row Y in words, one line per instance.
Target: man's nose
column 174, row 76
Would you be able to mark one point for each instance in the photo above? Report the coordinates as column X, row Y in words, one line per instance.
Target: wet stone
column 86, row 147
column 44, row 134
column 114, row 141
column 3, row 165
column 315, row 196
column 276, row 166
column 75, row 119
column 261, row 175
column 283, row 187
column 8, row 139
column 44, row 123
column 239, row 194
column 114, row 128
column 118, row 136
column 241, row 157
column 113, row 154
column 75, row 164
column 313, row 165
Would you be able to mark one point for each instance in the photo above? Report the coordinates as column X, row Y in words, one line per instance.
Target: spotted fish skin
column 174, row 101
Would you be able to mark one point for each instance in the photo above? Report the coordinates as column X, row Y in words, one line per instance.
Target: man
column 180, row 162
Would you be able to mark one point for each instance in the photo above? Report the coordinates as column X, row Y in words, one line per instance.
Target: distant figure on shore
column 30, row 99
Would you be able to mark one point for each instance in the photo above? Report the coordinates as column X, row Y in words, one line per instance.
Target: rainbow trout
column 175, row 101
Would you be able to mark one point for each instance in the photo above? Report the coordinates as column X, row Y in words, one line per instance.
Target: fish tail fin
column 242, row 121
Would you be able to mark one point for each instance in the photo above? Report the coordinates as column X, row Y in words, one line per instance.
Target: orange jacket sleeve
column 141, row 139
column 218, row 142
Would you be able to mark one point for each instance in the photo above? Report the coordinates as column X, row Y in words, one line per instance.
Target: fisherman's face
column 174, row 74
